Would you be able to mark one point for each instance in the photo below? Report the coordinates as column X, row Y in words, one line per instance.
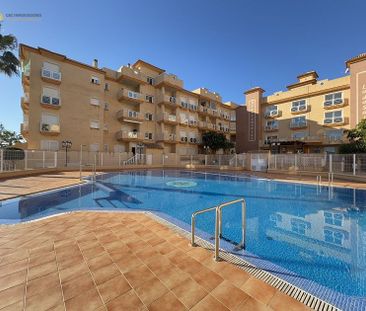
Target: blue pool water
column 314, row 237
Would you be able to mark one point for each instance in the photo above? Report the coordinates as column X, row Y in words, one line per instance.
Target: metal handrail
column 218, row 224
column 193, row 222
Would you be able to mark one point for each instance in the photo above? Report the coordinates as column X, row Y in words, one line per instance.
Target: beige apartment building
column 134, row 109
column 310, row 116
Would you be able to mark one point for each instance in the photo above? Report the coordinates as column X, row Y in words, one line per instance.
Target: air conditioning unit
column 338, row 101
column 328, row 103
column 182, row 138
column 194, row 140
column 338, row 120
column 45, row 127
column 191, row 139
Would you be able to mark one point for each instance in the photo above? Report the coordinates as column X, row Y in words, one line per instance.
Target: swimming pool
column 314, row 238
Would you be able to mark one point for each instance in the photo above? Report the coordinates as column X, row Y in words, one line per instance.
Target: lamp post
column 66, row 144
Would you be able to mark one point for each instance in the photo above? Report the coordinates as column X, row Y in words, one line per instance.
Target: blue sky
column 228, row 46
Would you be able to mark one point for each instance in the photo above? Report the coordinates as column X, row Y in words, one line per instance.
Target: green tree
column 9, row 63
column 8, row 138
column 216, row 141
column 357, row 139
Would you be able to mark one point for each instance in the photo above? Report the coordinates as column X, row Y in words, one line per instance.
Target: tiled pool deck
column 120, row 261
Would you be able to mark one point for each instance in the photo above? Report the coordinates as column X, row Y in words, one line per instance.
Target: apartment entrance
column 138, row 149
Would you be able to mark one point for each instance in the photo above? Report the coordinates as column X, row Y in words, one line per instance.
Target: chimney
column 95, row 63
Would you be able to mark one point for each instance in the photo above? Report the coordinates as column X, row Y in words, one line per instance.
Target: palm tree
column 9, row 63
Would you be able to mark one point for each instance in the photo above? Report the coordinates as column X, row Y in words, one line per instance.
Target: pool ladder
column 218, row 224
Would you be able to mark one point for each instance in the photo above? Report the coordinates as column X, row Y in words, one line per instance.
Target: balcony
column 213, row 113
column 50, row 102
column 49, row 129
column 129, row 136
column 168, row 100
column 194, row 140
column 212, row 127
column 192, row 123
column 169, row 79
column 271, row 128
column 24, row 128
column 129, row 116
column 24, row 101
column 168, row 118
column 51, row 76
column 273, row 114
column 202, row 125
column 130, row 96
column 132, row 74
column 335, row 103
column 298, row 125
column 167, row 138
column 203, row 110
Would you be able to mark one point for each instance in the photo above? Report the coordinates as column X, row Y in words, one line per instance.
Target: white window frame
column 333, row 117
column 333, row 100
column 149, row 99
column 94, row 124
column 49, row 73
column 299, row 103
column 149, row 136
column 52, row 99
column 149, row 116
column 302, row 120
column 94, row 101
column 150, row 80
column 95, row 80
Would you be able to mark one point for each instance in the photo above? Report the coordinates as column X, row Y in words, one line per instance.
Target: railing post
column 193, row 226
column 205, row 159
column 101, row 159
column 219, row 160
column 217, row 238
column 236, row 160
column 163, row 159
column 296, row 168
column 330, row 163
column 25, row 159
column 243, row 222
column 43, row 159
column 1, row 160
column 354, row 164
column 55, row 159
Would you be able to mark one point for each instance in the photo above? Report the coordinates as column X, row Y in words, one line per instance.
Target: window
column 94, row 101
column 335, row 219
column 333, row 236
column 94, row 147
column 106, row 87
column 51, row 71
column 299, row 226
column 150, row 80
column 334, row 134
column 50, row 96
column 271, row 111
column 148, row 116
column 49, row 145
column 149, row 98
column 333, row 99
column 50, row 123
column 148, row 136
column 299, row 135
column 95, row 80
column 298, row 121
column 106, row 106
column 272, row 124
column 94, row 124
column 333, row 117
column 298, row 106
column 271, row 138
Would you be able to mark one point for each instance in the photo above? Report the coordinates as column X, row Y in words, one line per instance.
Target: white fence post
column 236, row 160
column 219, row 159
column 101, row 158
column 163, row 159
column 205, row 159
column 354, row 164
column 55, row 159
column 296, row 168
column 25, row 159
column 330, row 163
column 43, row 159
column 1, row 160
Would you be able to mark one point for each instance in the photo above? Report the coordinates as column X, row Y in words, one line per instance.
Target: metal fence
column 347, row 164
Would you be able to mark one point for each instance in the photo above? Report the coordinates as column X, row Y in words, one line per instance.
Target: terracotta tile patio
column 120, row 261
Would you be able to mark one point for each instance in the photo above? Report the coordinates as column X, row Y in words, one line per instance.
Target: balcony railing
column 130, row 96
column 132, row 74
column 298, row 125
column 334, row 121
column 51, row 76
column 129, row 115
column 167, row 137
column 309, row 139
column 271, row 128
column 47, row 128
column 273, row 114
column 129, row 135
column 300, row 109
column 169, row 79
column 168, row 118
